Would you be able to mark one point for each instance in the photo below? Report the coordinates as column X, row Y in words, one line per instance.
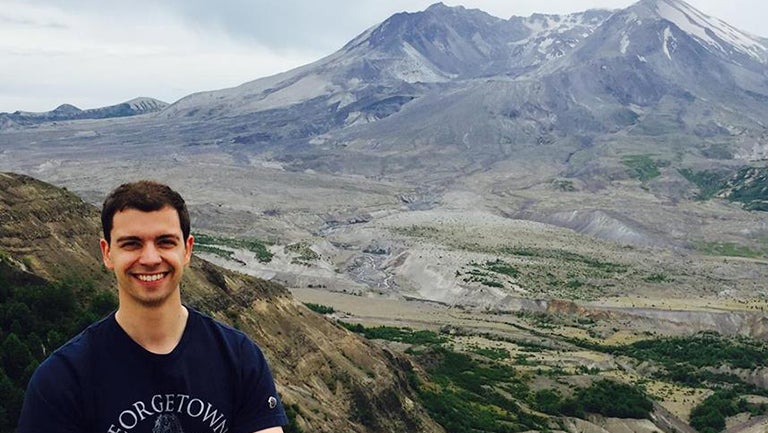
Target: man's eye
column 129, row 245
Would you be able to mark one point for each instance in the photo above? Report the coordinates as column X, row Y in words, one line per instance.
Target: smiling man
column 154, row 365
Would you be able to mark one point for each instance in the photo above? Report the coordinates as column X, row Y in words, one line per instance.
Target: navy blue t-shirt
column 215, row 380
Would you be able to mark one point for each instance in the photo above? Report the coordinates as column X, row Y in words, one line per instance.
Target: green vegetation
column 548, row 401
column 416, row 231
column 729, row 249
column 694, row 361
column 544, row 271
column 305, row 253
column 291, row 411
column 750, row 187
column 202, row 248
column 402, row 335
column 705, row 349
column 609, row 398
column 710, row 415
column 317, row 308
column 558, row 273
column 658, row 277
column 482, row 390
column 483, row 273
column 710, row 182
column 604, row 397
column 563, row 185
column 501, row 267
column 643, row 167
column 212, row 244
column 567, row 256
column 539, row 319
column 34, row 321
column 495, row 353
column 465, row 395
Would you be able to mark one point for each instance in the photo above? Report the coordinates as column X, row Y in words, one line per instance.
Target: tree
column 15, row 357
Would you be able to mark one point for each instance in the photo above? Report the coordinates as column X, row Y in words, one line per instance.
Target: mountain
column 407, row 58
column 63, row 112
column 458, row 87
column 48, row 235
column 627, row 126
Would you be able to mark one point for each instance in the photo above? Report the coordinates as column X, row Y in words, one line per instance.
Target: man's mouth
column 151, row 277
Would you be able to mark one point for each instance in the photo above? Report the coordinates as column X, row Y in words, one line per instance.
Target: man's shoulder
column 232, row 337
column 213, row 323
column 85, row 341
column 71, row 360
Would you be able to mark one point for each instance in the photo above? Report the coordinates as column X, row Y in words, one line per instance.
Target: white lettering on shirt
column 184, row 404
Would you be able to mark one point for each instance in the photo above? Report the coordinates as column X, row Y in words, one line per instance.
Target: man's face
column 147, row 252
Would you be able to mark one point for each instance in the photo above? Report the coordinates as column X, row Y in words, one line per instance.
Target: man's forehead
column 136, row 219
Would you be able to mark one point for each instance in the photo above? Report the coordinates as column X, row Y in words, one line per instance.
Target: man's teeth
column 148, row 278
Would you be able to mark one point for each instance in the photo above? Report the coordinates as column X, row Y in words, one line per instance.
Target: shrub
column 317, row 308
column 612, row 399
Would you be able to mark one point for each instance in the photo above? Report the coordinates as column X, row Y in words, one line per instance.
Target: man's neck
column 158, row 329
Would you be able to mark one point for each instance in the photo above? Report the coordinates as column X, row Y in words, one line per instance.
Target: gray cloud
column 297, row 24
column 301, row 24
column 4, row 19
column 310, row 25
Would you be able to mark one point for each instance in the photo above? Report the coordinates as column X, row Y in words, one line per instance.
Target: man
column 154, row 365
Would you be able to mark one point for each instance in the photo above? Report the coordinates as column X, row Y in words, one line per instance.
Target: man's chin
column 152, row 302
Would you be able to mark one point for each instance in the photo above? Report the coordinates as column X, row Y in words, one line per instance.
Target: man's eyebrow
column 127, row 238
column 136, row 238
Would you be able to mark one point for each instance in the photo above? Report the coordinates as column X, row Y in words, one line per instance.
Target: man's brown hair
column 146, row 196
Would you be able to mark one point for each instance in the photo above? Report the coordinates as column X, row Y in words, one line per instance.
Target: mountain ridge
column 611, row 66
column 64, row 112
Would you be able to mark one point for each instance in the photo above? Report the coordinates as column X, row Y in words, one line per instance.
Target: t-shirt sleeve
column 51, row 400
column 261, row 407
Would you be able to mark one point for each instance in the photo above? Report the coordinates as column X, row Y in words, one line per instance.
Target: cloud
column 92, row 59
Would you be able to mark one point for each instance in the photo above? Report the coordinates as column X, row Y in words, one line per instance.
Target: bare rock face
column 332, row 379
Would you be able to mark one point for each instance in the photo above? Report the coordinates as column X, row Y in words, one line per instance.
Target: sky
column 94, row 53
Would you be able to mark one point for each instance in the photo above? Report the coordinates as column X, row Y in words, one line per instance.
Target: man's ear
column 188, row 253
column 105, row 254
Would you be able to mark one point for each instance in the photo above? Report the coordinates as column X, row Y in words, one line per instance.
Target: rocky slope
column 333, row 380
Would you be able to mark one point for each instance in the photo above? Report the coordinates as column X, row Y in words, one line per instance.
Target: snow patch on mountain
column 669, row 41
column 704, row 27
column 552, row 36
column 624, row 43
column 539, row 23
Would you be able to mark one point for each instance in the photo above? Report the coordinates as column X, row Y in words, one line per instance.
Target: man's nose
column 150, row 255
